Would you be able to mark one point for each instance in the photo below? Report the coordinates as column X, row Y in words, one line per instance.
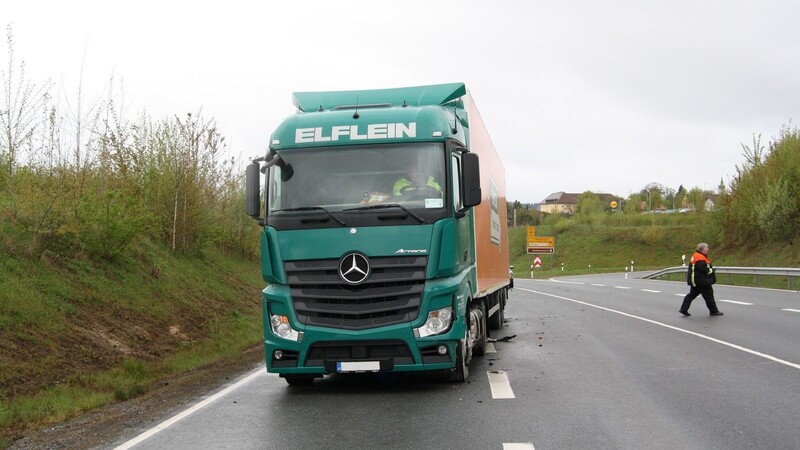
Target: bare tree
column 19, row 117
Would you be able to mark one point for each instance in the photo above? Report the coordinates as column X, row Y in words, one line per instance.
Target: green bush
column 764, row 202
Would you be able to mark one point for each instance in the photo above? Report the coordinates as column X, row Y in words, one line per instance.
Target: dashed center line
column 791, row 310
column 621, row 287
column 498, row 381
column 518, row 446
column 735, row 302
column 650, row 290
column 566, row 282
column 490, row 348
column 600, row 285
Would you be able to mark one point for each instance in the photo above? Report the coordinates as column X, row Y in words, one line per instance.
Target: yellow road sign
column 544, row 241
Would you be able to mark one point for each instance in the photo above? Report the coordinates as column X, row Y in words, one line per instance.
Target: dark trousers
column 708, row 295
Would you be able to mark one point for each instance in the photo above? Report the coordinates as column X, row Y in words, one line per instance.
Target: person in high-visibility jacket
column 415, row 182
column 701, row 277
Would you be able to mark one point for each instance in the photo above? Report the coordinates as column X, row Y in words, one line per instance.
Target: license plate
column 358, row 366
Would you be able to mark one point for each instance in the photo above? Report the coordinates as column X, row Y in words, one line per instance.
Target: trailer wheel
column 461, row 371
column 496, row 321
column 299, row 380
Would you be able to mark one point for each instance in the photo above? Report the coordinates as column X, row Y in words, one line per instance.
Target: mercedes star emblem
column 354, row 268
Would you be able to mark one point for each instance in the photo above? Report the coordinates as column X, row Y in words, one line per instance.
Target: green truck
column 384, row 243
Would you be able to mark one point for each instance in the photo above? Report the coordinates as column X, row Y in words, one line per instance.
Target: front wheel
column 463, row 355
column 461, row 372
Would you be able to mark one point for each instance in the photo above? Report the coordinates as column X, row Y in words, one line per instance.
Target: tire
column 299, row 380
column 480, row 345
column 461, row 371
column 496, row 321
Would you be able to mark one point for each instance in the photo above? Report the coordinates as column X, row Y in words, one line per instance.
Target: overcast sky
column 577, row 95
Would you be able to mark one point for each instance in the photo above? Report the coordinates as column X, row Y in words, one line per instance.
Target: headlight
column 281, row 328
column 438, row 322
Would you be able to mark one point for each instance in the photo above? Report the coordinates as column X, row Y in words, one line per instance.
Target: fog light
column 442, row 350
column 278, row 355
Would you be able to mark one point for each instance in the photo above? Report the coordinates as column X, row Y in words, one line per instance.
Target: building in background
column 567, row 203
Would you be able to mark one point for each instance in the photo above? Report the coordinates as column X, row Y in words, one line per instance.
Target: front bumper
column 393, row 348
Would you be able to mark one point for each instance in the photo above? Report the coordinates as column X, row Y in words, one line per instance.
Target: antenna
column 355, row 114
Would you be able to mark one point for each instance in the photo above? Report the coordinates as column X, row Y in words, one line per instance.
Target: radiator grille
column 391, row 294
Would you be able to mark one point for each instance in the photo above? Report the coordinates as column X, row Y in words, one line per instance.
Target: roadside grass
column 52, row 405
column 77, row 334
column 229, row 336
column 133, row 377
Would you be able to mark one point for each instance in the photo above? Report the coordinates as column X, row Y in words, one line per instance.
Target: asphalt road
column 599, row 362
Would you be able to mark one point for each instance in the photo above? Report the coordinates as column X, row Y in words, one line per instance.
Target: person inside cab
column 416, row 184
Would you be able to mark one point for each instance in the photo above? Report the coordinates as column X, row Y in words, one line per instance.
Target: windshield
column 349, row 178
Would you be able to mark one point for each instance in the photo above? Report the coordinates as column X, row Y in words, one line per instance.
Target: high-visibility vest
column 404, row 183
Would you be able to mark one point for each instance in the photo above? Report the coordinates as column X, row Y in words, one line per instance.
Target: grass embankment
column 76, row 334
column 609, row 245
column 651, row 241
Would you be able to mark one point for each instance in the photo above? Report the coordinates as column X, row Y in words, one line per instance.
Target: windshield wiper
column 386, row 206
column 312, row 208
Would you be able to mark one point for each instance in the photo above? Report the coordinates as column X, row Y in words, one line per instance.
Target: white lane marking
column 791, row 310
column 490, row 348
column 566, row 282
column 518, row 446
column 621, row 287
column 702, row 336
column 498, row 381
column 738, row 303
column 650, row 290
column 600, row 285
column 191, row 410
column 680, row 295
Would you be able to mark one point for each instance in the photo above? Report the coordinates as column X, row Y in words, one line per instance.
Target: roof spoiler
column 436, row 94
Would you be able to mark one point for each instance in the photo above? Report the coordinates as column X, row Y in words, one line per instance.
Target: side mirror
column 252, row 196
column 471, row 176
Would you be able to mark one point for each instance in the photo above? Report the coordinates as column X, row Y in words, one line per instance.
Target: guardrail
column 789, row 273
